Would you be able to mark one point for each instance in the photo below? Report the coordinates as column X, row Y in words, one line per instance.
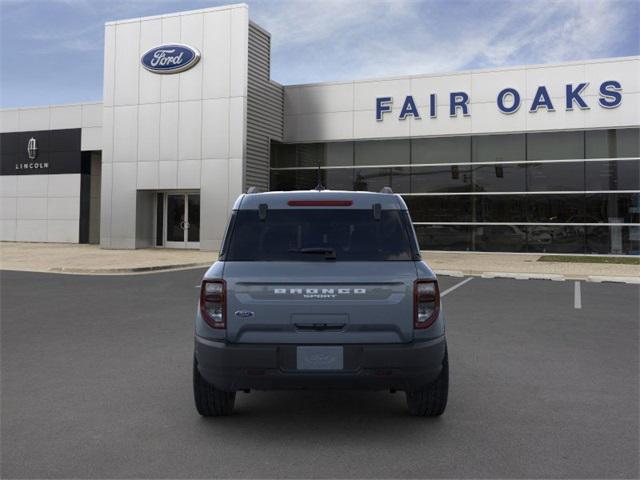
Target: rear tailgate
column 320, row 302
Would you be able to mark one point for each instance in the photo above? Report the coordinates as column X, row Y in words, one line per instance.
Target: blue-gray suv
column 320, row 289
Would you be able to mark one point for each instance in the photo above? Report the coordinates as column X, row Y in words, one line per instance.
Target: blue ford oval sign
column 173, row 58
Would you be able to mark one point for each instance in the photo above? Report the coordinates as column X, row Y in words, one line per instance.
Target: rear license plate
column 320, row 358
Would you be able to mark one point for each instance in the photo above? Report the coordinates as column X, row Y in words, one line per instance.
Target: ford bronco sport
column 320, row 289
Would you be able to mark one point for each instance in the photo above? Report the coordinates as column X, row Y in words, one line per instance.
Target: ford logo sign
column 173, row 58
column 244, row 313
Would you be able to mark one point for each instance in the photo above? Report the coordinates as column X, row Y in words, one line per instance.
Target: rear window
column 319, row 235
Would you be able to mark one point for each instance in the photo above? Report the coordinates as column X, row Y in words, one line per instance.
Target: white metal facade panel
column 322, row 112
column 163, row 127
column 40, row 208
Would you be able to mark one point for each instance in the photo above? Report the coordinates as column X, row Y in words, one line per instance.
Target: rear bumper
column 232, row 367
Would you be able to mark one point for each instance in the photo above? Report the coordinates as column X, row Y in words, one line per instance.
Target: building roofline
column 179, row 14
column 467, row 72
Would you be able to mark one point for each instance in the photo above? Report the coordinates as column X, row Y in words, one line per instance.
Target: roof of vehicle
column 280, row 200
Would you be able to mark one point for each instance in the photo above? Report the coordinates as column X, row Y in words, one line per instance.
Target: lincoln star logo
column 32, row 148
column 324, row 292
column 172, row 58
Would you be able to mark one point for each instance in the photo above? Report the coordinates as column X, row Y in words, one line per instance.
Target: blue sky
column 51, row 50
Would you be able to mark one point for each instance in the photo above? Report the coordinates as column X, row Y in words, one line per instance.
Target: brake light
column 320, row 203
column 213, row 295
column 426, row 303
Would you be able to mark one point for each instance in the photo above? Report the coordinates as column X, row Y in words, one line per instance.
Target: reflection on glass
column 549, row 177
column 382, row 152
column 556, row 239
column 613, row 207
column 555, row 145
column 175, row 218
column 613, row 175
column 446, row 178
column 374, row 179
column 612, row 143
column 444, row 237
column 613, row 240
column 194, row 218
column 500, row 238
column 500, row 208
column 499, row 178
column 441, row 150
column 551, row 208
column 435, row 208
column 499, row 148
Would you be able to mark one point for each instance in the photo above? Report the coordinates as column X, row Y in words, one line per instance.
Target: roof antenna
column 319, row 186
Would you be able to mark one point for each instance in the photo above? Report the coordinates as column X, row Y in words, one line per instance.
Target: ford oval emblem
column 244, row 313
column 172, row 58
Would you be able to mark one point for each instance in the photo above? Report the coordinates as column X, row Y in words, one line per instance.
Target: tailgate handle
column 320, row 327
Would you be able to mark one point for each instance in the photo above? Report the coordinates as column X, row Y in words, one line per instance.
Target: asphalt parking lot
column 96, row 383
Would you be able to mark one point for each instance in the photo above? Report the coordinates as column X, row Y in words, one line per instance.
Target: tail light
column 213, row 295
column 426, row 301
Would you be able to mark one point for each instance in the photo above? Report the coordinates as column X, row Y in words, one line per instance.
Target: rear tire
column 211, row 402
column 432, row 400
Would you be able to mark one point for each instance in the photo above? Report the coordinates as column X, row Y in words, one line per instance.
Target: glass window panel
column 283, row 155
column 444, row 237
column 612, row 143
column 556, row 239
column 500, row 208
column 175, row 218
column 555, row 145
column 500, row 238
column 338, row 154
column 613, row 175
column 309, row 154
column 293, row 179
column 559, row 208
column 435, row 208
column 445, row 178
column 374, row 179
column 613, row 208
column 193, row 234
column 613, row 240
column 499, row 148
column 499, row 178
column 338, row 178
column 548, row 177
column 441, row 150
column 382, row 152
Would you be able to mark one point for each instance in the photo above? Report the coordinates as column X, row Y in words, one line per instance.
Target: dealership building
column 541, row 158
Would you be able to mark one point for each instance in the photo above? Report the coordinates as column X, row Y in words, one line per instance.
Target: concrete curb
column 153, row 268
column 540, row 276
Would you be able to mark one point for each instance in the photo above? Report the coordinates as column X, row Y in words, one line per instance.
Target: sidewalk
column 90, row 259
column 73, row 258
column 527, row 266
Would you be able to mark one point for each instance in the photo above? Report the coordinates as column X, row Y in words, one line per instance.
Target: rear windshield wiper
column 329, row 253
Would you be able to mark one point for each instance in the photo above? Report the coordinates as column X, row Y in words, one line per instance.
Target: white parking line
column 577, row 296
column 459, row 284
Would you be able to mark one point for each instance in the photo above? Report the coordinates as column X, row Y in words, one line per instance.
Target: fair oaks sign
column 508, row 101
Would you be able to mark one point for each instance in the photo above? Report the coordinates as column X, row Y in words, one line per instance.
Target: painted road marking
column 457, row 285
column 577, row 296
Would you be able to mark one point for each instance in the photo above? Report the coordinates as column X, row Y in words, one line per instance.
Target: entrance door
column 182, row 220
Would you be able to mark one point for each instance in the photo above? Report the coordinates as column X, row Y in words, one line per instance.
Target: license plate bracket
column 319, row 358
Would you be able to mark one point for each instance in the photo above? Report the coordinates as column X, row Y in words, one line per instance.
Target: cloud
column 327, row 40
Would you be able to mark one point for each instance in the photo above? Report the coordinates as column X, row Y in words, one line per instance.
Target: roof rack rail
column 386, row 190
column 253, row 190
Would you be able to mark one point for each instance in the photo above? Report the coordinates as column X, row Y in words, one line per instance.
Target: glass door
column 182, row 220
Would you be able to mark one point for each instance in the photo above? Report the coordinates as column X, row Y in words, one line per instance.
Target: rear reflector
column 320, row 203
